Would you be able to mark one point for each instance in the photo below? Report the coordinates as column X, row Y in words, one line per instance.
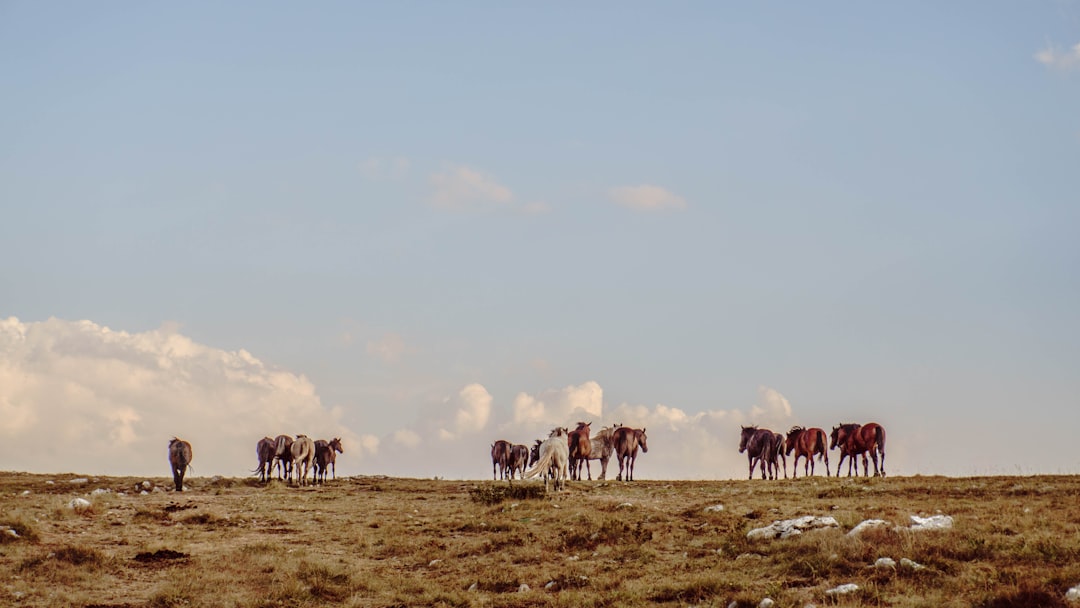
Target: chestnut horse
column 856, row 439
column 807, row 443
column 626, row 442
column 500, row 458
column 580, row 448
column 760, row 447
column 179, row 461
column 326, row 456
column 265, row 449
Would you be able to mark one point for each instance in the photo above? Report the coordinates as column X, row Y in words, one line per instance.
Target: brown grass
column 368, row 541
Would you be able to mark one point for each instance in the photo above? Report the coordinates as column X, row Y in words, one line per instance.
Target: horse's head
column 642, row 440
column 747, row 434
column 838, row 436
column 336, row 444
column 534, row 452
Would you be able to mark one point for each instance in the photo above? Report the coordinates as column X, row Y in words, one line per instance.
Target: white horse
column 554, row 459
column 602, row 448
column 303, row 457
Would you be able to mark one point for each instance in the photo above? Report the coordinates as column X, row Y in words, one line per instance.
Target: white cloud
column 389, row 348
column 559, row 406
column 376, row 168
column 460, row 188
column 108, row 401
column 646, row 198
column 1055, row 57
column 473, row 408
column 407, row 438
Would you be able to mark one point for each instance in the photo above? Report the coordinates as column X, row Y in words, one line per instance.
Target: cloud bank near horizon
column 80, row 397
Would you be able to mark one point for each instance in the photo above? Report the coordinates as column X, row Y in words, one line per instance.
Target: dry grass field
column 373, row 541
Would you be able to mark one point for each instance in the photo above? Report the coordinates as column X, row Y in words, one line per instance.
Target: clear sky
column 425, row 226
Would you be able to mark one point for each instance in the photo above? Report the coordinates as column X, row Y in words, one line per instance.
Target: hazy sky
column 426, row 226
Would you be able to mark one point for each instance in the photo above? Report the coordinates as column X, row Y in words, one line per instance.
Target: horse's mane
column 796, row 428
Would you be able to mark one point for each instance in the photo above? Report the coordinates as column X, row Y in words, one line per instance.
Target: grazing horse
column 179, row 461
column 554, row 461
column 500, row 458
column 519, row 460
column 626, row 442
column 283, row 456
column 807, row 443
column 760, row 446
column 580, row 448
column 856, row 439
column 601, row 449
column 303, row 457
column 265, row 449
column 326, row 456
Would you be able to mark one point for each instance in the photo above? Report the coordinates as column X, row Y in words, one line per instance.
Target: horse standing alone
column 179, row 461
column 855, row 439
column 626, row 442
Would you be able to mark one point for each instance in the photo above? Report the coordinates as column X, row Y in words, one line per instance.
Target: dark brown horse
column 179, row 461
column 855, row 439
column 265, row 449
column 326, row 456
column 500, row 458
column 580, row 448
column 283, row 456
column 519, row 460
column 760, row 447
column 626, row 442
column 807, row 443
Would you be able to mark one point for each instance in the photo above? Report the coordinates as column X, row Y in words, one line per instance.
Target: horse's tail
column 540, row 466
column 819, row 445
column 879, row 433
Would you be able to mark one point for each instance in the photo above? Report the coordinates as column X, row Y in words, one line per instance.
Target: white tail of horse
column 554, row 460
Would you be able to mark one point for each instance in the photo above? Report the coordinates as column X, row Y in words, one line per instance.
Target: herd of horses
column 293, row 458
column 564, row 452
column 770, row 450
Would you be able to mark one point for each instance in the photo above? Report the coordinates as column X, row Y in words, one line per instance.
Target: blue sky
column 449, row 223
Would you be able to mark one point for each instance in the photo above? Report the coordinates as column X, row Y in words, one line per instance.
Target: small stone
column 474, row 586
column 79, row 504
column 1073, row 594
column 884, row 563
column 79, row 481
column 907, row 563
column 625, row 505
column 100, row 491
column 524, row 588
column 551, row 585
column 843, row 589
column 146, row 485
column 766, row 603
column 26, row 492
column 12, row 533
column 434, row 562
column 714, row 509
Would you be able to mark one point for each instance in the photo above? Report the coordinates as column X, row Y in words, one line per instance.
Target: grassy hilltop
column 374, row 541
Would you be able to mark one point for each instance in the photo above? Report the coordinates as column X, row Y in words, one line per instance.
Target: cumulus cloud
column 460, row 188
column 389, row 348
column 646, row 198
column 1055, row 57
column 106, row 401
column 559, row 406
column 472, row 408
column 376, row 168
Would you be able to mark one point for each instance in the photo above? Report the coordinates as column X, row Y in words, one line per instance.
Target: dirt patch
column 159, row 556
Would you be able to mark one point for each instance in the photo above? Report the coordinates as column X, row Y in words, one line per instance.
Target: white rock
column 625, row 505
column 867, row 525
column 551, row 585
column 934, row 522
column 143, row 493
column 791, row 527
column 146, row 485
column 100, row 491
column 1073, row 594
column 18, row 595
column 907, row 563
column 884, row 563
column 433, row 562
column 733, row 605
column 78, row 482
column 79, row 504
column 714, row 509
column 524, row 588
column 474, row 586
column 157, row 490
column 50, row 483
column 843, row 589
column 26, row 492
column 12, row 533
column 766, row 603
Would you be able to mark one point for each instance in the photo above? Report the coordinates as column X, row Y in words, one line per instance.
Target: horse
column 758, row 445
column 626, row 442
column 554, row 460
column 326, row 455
column 179, row 461
column 519, row 460
column 534, row 452
column 265, row 449
column 855, row 439
column 781, row 445
column 601, row 449
column 500, row 456
column 807, row 443
column 283, row 456
column 580, row 448
column 303, row 457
